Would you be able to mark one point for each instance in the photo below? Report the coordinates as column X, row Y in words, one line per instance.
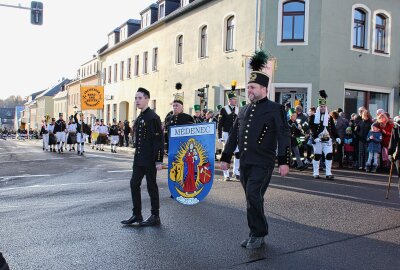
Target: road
column 64, row 212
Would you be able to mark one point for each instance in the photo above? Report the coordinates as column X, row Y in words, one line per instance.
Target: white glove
column 317, row 140
column 220, row 140
column 338, row 140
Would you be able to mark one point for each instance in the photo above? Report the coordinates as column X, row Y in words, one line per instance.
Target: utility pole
column 36, row 11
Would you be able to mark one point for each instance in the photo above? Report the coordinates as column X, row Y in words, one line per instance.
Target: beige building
column 198, row 43
column 88, row 74
column 60, row 103
column 28, row 117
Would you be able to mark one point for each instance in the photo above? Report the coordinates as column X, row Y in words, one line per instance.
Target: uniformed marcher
column 60, row 129
column 103, row 133
column 114, row 136
column 95, row 134
column 262, row 134
column 148, row 159
column 71, row 128
column 178, row 117
column 323, row 133
column 197, row 115
column 45, row 135
column 394, row 148
column 52, row 136
column 82, row 134
column 227, row 117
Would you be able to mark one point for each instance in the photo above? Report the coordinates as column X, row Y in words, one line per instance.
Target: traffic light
column 201, row 92
column 36, row 13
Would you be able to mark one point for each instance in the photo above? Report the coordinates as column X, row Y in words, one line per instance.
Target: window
column 115, row 72
column 155, row 59
column 230, row 31
column 128, row 68
column 380, row 33
column 355, row 98
column 359, row 29
column 293, row 18
column 104, row 75
column 179, row 46
column 108, row 113
column 184, row 3
column 121, row 73
column 109, row 74
column 137, row 65
column 114, row 111
column 145, row 61
column 161, row 13
column 203, row 42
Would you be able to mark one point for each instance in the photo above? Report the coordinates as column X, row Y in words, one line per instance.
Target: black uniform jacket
column 149, row 139
column 60, row 126
column 197, row 120
column 259, row 128
column 316, row 129
column 114, row 130
column 81, row 127
column 394, row 146
column 225, row 120
column 176, row 120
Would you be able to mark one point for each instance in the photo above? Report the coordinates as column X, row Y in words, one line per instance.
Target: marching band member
column 227, row 117
column 71, row 139
column 45, row 135
column 95, row 134
column 60, row 130
column 114, row 136
column 197, row 115
column 52, row 137
column 82, row 134
column 103, row 133
column 323, row 132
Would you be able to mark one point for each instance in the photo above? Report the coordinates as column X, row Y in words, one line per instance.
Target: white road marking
column 30, row 160
column 107, row 157
column 101, row 181
column 6, row 178
column 119, row 171
column 20, row 152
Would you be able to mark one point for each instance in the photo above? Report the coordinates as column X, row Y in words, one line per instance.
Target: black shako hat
column 257, row 63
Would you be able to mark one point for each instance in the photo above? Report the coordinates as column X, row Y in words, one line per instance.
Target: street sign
column 36, row 13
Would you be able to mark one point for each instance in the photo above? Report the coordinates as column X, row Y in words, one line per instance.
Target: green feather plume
column 258, row 61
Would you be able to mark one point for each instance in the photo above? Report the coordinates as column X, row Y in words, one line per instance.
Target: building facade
column 350, row 48
column 202, row 44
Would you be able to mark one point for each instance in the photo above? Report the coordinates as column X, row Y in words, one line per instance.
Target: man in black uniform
column 260, row 132
column 394, row 148
column 60, row 128
column 114, row 136
column 227, row 117
column 197, row 115
column 82, row 133
column 147, row 160
column 178, row 117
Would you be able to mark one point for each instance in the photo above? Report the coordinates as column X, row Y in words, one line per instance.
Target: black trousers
column 137, row 176
column 126, row 139
column 255, row 181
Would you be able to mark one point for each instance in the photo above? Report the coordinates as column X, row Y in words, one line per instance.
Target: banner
column 92, row 97
column 191, row 159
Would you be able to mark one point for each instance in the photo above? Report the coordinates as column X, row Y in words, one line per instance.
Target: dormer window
column 146, row 20
column 161, row 11
column 184, row 3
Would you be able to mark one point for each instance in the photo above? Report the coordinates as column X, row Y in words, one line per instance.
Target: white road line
column 101, row 181
column 29, row 160
column 20, row 152
column 6, row 178
column 107, row 157
column 119, row 171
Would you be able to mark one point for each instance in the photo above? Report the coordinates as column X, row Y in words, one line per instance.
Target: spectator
column 385, row 125
column 127, row 131
column 374, row 139
column 348, row 147
column 357, row 120
column 308, row 138
column 341, row 126
column 361, row 130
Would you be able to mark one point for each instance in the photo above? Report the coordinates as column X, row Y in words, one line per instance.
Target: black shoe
column 153, row 220
column 244, row 242
column 59, row 151
column 79, row 153
column 316, row 176
column 43, row 148
column 133, row 219
column 62, row 150
column 330, row 177
column 304, row 167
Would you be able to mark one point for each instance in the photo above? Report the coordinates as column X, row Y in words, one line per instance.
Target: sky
column 33, row 58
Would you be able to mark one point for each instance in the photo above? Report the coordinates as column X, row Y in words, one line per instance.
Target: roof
column 152, row 6
column 52, row 91
column 116, row 30
column 61, row 94
column 173, row 15
column 34, row 95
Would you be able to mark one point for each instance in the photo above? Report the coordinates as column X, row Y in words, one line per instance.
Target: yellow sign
column 92, row 97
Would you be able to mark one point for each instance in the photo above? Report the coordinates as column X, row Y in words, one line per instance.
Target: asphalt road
column 64, row 212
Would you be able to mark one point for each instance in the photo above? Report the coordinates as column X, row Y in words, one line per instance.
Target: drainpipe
column 257, row 33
